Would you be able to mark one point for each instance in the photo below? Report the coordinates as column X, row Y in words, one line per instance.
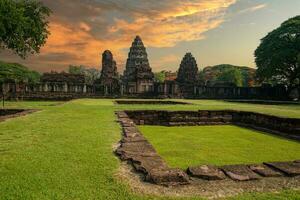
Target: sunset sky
column 214, row 31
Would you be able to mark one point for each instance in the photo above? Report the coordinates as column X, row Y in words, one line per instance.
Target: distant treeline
column 219, row 75
column 228, row 75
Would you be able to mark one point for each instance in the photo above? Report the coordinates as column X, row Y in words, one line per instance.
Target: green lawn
column 219, row 145
column 65, row 151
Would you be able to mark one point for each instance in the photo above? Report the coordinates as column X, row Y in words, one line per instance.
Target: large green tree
column 23, row 26
column 278, row 56
column 160, row 76
column 231, row 76
column 17, row 73
column 226, row 74
column 91, row 74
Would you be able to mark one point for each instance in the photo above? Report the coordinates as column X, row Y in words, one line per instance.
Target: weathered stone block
column 134, row 156
column 142, row 147
column 207, row 172
column 289, row 168
column 264, row 170
column 240, row 172
column 168, row 177
column 146, row 164
column 135, row 138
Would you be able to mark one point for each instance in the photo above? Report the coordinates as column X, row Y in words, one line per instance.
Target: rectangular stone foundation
column 286, row 127
column 150, row 102
column 137, row 150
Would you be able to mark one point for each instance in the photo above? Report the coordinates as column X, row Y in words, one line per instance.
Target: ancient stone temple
column 187, row 74
column 62, row 82
column 138, row 77
column 109, row 80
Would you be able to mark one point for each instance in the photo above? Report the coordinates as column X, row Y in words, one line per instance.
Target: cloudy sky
column 215, row 31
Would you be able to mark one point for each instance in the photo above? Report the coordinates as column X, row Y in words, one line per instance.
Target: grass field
column 219, row 145
column 65, row 151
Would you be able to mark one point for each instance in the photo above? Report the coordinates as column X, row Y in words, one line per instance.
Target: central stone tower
column 138, row 77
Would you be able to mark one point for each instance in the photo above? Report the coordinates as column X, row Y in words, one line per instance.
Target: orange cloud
column 82, row 29
column 86, row 49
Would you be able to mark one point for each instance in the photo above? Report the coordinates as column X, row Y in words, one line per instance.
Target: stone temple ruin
column 138, row 77
column 187, row 74
column 137, row 81
column 109, row 80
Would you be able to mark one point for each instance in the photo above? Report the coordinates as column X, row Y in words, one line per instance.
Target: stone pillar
column 46, row 87
column 84, row 88
column 65, row 87
column 122, row 90
column 165, row 88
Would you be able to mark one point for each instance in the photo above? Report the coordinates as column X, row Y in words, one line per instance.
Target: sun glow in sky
column 215, row 31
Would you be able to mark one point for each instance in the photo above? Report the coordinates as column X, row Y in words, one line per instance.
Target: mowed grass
column 218, row 145
column 65, row 151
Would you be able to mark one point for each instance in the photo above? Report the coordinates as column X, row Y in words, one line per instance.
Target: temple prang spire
column 187, row 74
column 138, row 76
column 109, row 79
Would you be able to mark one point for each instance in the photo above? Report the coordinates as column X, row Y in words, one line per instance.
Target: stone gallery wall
column 168, row 89
column 49, row 96
column 288, row 127
column 265, row 93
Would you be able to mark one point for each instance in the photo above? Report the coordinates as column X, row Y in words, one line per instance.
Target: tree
column 73, row 69
column 23, row 26
column 226, row 74
column 17, row 73
column 278, row 56
column 160, row 76
column 231, row 76
column 14, row 72
column 91, row 74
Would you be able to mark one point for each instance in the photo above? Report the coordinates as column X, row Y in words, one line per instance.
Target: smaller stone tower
column 188, row 74
column 109, row 79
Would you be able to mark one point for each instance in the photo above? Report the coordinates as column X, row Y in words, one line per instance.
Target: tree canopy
column 278, row 56
column 160, row 76
column 231, row 76
column 91, row 74
column 228, row 75
column 23, row 26
column 17, row 73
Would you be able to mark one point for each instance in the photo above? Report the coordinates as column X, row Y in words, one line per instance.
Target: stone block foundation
column 150, row 102
column 12, row 113
column 137, row 150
